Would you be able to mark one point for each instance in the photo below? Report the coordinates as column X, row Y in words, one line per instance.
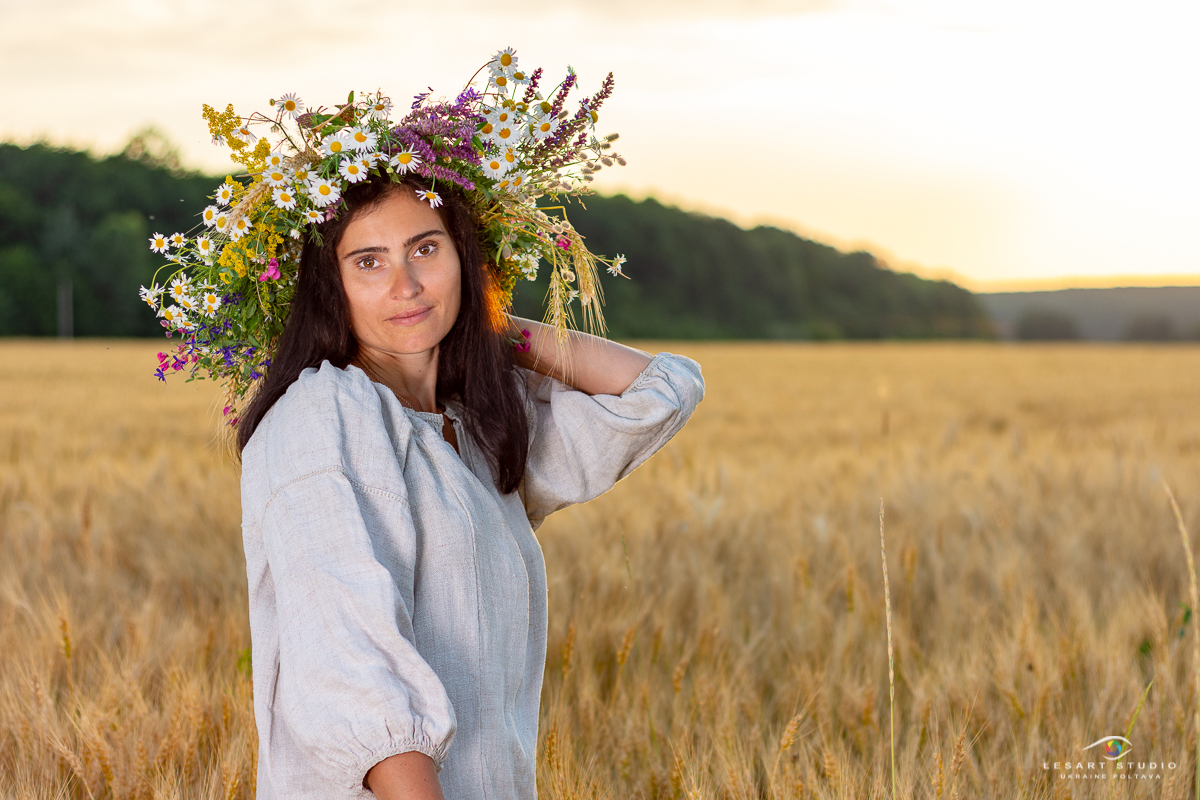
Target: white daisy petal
column 352, row 170
column 291, row 104
column 335, row 144
column 405, row 160
column 363, row 139
column 284, row 198
column 275, row 176
column 323, row 192
column 431, row 197
column 159, row 243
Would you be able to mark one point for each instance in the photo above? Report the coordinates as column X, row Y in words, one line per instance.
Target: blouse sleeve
column 352, row 690
column 581, row 445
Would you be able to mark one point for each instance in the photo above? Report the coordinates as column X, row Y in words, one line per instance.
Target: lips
column 412, row 316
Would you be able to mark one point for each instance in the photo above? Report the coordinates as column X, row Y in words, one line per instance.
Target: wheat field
column 717, row 621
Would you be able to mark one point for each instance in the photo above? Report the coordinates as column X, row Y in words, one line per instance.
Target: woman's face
column 401, row 275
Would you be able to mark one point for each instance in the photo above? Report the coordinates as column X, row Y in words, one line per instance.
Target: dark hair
column 475, row 365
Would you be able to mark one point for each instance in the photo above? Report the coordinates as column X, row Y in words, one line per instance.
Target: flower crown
column 230, row 287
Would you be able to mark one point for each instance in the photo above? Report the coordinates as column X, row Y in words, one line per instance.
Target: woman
column 395, row 463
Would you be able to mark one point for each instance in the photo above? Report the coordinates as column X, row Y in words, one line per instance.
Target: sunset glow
column 1011, row 142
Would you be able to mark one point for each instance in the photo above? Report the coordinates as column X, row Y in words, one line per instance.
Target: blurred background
column 1009, row 149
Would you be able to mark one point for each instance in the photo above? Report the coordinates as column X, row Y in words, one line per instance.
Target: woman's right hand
column 405, row 776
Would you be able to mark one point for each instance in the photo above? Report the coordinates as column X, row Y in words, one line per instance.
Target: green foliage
column 698, row 277
column 65, row 214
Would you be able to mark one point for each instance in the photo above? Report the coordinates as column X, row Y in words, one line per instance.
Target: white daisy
column 519, row 77
column 240, row 228
column 209, row 216
column 211, row 301
column 381, row 108
column 225, row 193
column 615, row 267
column 508, row 135
column 301, row 175
column 159, row 243
column 313, row 216
column 405, row 160
column 218, row 140
column 173, row 315
column 181, row 288
column 275, row 176
column 275, row 160
column 335, row 144
column 494, row 167
column 543, row 127
column 500, row 81
column 510, row 156
column 323, row 192
column 517, row 179
column 187, row 304
column 505, row 61
column 352, row 170
column 291, row 104
column 431, row 197
column 221, row 222
column 284, row 198
column 363, row 138
column 204, row 246
column 150, row 296
column 503, row 116
column 244, row 134
column 178, row 240
column 369, row 160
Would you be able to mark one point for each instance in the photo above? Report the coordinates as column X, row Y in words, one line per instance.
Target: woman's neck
column 412, row 377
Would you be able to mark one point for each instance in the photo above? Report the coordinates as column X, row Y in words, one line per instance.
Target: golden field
column 717, row 621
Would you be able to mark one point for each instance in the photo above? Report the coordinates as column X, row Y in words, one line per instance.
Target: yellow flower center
column 544, row 127
column 505, row 133
column 289, row 105
column 285, row 197
column 501, row 80
column 335, row 146
column 404, row 158
column 324, row 189
column 360, row 137
column 505, row 60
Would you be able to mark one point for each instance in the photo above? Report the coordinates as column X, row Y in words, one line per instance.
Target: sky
column 1000, row 143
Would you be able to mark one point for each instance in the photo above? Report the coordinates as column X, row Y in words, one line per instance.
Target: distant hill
column 1103, row 314
column 73, row 226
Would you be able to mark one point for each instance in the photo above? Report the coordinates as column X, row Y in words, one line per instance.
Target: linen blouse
column 397, row 599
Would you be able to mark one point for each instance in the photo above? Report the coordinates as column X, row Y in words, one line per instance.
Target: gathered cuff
column 645, row 374
column 374, row 757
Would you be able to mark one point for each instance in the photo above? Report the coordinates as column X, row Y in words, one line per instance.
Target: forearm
column 589, row 363
column 405, row 776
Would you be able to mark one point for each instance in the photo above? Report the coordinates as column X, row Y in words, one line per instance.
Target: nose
column 405, row 285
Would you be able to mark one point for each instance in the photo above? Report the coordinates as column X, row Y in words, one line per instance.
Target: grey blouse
column 397, row 599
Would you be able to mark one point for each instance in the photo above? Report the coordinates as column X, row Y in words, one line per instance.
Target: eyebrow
column 411, row 241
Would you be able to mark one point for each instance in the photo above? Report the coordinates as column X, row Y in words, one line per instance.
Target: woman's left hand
column 591, row 364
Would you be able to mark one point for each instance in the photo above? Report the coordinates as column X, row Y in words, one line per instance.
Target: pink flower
column 525, row 332
column 563, row 243
column 271, row 272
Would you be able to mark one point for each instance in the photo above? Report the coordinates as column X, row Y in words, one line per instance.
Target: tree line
column 73, row 251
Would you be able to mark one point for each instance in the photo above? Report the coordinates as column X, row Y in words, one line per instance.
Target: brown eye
column 368, row 263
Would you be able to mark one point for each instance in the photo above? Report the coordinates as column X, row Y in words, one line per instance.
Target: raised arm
column 590, row 364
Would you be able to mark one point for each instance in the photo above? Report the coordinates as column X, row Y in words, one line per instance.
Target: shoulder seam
column 357, row 484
